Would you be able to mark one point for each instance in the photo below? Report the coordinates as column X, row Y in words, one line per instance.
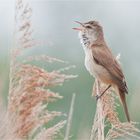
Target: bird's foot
column 97, row 97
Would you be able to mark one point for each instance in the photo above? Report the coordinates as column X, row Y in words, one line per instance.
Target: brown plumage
column 115, row 75
column 100, row 61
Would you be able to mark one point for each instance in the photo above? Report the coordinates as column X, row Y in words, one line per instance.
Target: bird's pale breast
column 95, row 69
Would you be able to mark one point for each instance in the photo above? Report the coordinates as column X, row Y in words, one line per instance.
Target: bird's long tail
column 123, row 100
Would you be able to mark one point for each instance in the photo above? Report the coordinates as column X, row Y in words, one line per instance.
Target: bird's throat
column 85, row 41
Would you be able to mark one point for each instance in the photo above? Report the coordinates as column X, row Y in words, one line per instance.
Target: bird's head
column 89, row 31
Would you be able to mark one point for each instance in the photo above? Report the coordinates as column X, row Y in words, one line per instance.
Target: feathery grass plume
column 107, row 116
column 29, row 93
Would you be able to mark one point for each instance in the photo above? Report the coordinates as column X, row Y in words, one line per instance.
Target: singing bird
column 99, row 60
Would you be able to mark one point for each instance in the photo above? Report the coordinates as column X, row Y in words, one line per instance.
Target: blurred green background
column 52, row 22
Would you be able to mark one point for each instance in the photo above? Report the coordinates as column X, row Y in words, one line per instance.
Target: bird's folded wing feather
column 104, row 57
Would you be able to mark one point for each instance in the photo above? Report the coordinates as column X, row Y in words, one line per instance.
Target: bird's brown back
column 104, row 57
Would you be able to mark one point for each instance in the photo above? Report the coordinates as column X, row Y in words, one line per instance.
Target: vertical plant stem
column 100, row 115
column 70, row 118
column 97, row 132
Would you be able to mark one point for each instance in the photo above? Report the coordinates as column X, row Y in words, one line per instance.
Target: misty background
column 52, row 22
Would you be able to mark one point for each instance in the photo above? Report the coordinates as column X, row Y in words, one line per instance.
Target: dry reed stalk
column 106, row 115
column 100, row 115
column 70, row 118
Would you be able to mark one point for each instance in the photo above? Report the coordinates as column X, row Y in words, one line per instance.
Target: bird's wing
column 103, row 56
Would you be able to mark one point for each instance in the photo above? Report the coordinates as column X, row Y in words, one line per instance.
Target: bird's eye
column 89, row 27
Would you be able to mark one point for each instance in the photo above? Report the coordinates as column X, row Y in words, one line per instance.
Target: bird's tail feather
column 123, row 100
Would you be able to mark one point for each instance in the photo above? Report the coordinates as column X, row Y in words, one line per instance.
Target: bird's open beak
column 79, row 28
